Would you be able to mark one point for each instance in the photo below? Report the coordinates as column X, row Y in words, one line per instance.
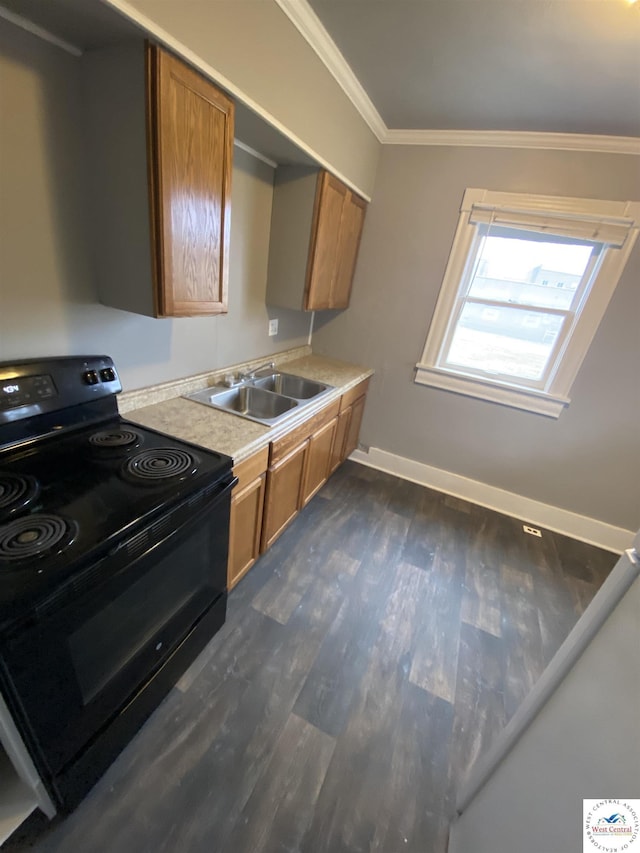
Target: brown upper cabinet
column 316, row 224
column 160, row 147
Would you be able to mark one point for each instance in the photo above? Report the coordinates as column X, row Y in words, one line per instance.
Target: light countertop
column 227, row 433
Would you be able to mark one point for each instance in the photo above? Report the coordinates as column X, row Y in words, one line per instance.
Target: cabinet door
column 325, row 238
column 318, row 459
column 245, row 528
column 353, row 432
column 353, row 212
column 284, row 493
column 191, row 141
column 337, row 455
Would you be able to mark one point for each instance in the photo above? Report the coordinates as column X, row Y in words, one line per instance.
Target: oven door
column 73, row 672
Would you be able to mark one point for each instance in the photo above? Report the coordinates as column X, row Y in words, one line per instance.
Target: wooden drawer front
column 284, row 493
column 250, row 468
column 318, row 459
column 282, row 446
column 349, row 397
column 337, row 454
column 245, row 528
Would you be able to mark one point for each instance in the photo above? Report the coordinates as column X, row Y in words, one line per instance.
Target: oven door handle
column 226, row 486
column 201, row 506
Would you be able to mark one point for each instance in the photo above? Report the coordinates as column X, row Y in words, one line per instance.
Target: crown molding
column 310, row 27
column 517, row 139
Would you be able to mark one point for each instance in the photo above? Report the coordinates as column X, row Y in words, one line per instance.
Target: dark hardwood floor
column 367, row 660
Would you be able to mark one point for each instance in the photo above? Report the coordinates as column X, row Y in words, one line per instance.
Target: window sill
column 495, row 392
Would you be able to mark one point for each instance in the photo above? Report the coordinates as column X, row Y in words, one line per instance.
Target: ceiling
column 559, row 66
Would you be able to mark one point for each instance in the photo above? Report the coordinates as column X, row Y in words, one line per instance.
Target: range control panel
column 37, row 386
column 18, row 391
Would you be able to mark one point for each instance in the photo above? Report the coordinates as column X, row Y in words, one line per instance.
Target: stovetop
column 68, row 499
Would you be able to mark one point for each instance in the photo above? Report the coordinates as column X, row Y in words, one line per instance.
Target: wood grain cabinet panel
column 353, row 430
column 245, row 523
column 316, row 226
column 284, row 493
column 348, row 432
column 337, row 448
column 160, row 146
column 283, row 445
column 349, row 397
column 336, row 231
column 191, row 133
column 318, row 459
column 245, row 529
column 351, row 224
column 326, row 241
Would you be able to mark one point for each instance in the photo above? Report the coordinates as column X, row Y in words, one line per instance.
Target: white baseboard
column 530, row 511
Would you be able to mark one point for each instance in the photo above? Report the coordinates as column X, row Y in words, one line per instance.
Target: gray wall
column 583, row 744
column 48, row 301
column 588, row 461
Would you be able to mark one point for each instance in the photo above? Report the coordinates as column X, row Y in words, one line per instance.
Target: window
column 526, row 285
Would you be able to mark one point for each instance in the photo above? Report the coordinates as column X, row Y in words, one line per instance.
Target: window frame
column 551, row 397
column 570, row 314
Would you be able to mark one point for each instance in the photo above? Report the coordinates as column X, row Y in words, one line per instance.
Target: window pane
column 508, row 341
column 529, row 271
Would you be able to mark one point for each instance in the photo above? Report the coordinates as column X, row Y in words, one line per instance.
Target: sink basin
column 291, row 386
column 265, row 399
column 249, row 402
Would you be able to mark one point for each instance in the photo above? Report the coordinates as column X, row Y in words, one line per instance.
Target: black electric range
column 113, row 552
column 67, row 500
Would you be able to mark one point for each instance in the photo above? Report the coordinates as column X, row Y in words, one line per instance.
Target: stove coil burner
column 17, row 493
column 114, row 439
column 161, row 463
column 35, row 536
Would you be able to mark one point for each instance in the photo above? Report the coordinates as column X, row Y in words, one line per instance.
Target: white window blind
column 596, row 230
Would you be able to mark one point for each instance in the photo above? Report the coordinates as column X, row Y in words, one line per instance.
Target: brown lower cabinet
column 284, row 493
column 267, row 499
column 245, row 522
column 342, row 425
column 318, row 458
column 348, row 425
column 353, row 429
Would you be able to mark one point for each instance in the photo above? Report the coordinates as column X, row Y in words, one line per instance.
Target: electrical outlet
column 273, row 328
column 532, row 531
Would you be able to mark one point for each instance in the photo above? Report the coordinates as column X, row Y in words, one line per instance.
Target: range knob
column 107, row 374
column 90, row 377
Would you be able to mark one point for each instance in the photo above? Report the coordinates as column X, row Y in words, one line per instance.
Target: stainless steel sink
column 291, row 386
column 266, row 399
column 248, row 401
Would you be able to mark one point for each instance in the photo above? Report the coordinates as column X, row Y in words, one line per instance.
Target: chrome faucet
column 251, row 374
